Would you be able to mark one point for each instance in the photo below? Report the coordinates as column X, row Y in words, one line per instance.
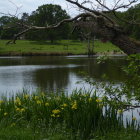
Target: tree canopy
column 48, row 15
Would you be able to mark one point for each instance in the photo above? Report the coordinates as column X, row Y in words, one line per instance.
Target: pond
column 53, row 73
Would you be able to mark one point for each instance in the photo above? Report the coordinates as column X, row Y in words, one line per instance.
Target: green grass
column 57, row 116
column 64, row 47
column 18, row 133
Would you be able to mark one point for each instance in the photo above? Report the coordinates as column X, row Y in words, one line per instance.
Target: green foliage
column 132, row 85
column 102, row 59
column 80, row 113
column 126, row 95
column 47, row 15
column 7, row 27
column 132, row 15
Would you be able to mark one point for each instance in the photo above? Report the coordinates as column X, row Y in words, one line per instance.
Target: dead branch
column 28, row 28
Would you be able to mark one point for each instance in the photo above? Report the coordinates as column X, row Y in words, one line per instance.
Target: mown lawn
column 59, row 47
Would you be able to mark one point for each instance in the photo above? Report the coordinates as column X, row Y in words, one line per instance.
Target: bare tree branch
column 49, row 27
column 90, row 10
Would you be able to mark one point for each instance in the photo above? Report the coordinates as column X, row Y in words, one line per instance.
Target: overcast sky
column 31, row 5
column 26, row 5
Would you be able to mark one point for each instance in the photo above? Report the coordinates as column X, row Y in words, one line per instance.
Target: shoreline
column 57, row 54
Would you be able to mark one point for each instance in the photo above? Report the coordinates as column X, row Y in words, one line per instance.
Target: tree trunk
column 119, row 38
column 112, row 33
column 126, row 45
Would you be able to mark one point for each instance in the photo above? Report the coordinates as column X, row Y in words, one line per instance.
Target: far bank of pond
column 45, row 48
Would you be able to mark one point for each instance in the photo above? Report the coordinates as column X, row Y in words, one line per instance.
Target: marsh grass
column 80, row 115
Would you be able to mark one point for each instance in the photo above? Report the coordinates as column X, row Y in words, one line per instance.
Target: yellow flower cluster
column 120, row 111
column 36, row 97
column 74, row 105
column 26, row 96
column 20, row 110
column 98, row 100
column 5, row 114
column 46, row 104
column 13, row 124
column 85, row 95
column 1, row 101
column 55, row 113
column 63, row 106
column 38, row 102
column 17, row 101
column 90, row 99
column 134, row 118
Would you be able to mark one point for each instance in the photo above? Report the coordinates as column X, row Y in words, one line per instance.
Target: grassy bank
column 65, row 47
column 80, row 116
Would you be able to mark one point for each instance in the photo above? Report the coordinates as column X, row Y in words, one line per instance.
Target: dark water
column 52, row 73
column 55, row 72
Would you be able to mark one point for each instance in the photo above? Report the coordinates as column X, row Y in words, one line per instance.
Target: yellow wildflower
column 57, row 116
column 13, row 124
column 52, row 115
column 90, row 99
column 22, row 110
column 98, row 100
column 5, row 114
column 46, row 104
column 65, row 105
column 85, row 95
column 1, row 101
column 74, row 106
column 38, row 102
column 56, row 111
column 120, row 111
column 43, row 94
column 26, row 96
column 134, row 118
column 36, row 97
column 17, row 109
column 62, row 108
column 17, row 101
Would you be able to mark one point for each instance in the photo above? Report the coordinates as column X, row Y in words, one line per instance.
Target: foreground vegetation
column 80, row 116
column 64, row 47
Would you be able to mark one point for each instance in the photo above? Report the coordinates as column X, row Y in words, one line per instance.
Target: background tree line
column 51, row 14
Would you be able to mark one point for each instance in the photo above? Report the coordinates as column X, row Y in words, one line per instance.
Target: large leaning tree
column 102, row 18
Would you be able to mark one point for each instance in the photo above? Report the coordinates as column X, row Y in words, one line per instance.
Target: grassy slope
column 59, row 47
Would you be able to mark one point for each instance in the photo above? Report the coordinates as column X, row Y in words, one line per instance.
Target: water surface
column 55, row 72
